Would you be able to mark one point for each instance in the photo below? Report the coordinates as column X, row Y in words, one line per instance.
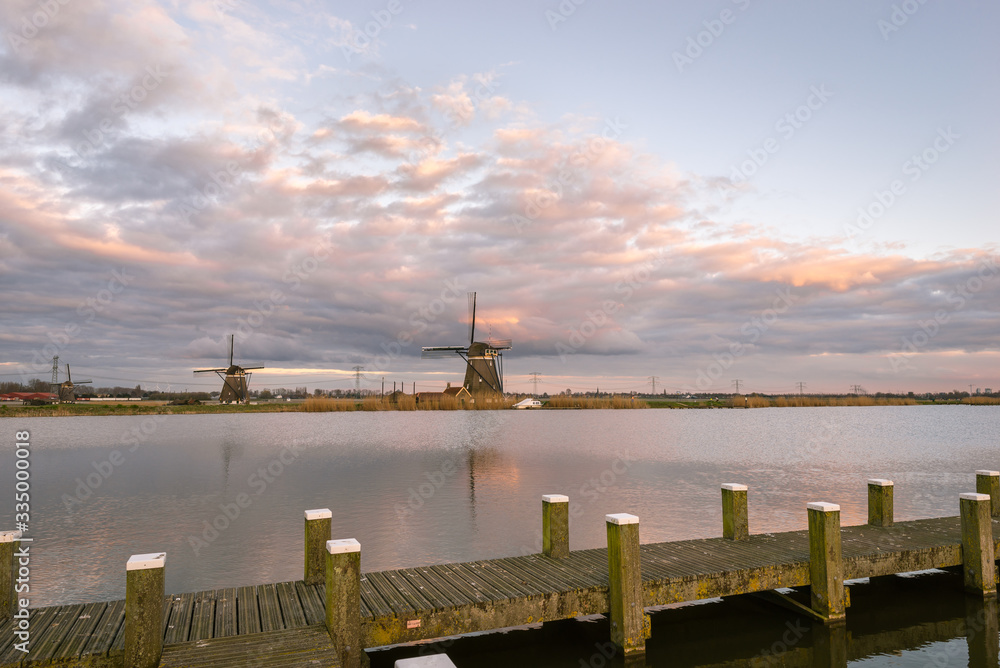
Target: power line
column 737, row 382
column 534, row 380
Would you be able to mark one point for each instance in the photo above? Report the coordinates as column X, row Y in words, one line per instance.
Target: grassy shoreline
column 373, row 404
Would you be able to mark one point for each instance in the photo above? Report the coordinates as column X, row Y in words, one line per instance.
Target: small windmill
column 235, row 380
column 66, row 393
column 483, row 359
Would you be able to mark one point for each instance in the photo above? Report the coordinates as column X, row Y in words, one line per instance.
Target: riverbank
column 375, row 404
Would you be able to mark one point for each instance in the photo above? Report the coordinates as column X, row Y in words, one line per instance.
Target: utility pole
column 857, row 389
column 801, row 386
column 737, row 382
column 534, row 379
column 357, row 380
column 653, row 379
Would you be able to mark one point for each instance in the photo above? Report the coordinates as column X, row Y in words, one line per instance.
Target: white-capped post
column 735, row 523
column 343, row 599
column 629, row 623
column 317, row 533
column 555, row 526
column 880, row 511
column 10, row 541
column 826, row 567
column 144, row 578
column 988, row 482
column 978, row 567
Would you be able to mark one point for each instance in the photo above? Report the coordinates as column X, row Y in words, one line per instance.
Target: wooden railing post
column 9, row 542
column 343, row 599
column 826, row 568
column 988, row 482
column 977, row 544
column 144, row 581
column 629, row 623
column 555, row 526
column 735, row 525
column 880, row 511
column 317, row 533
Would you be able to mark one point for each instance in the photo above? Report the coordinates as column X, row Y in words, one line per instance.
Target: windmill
column 235, row 380
column 483, row 359
column 66, row 394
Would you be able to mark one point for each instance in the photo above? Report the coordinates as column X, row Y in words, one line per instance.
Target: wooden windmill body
column 235, row 380
column 483, row 359
column 67, row 392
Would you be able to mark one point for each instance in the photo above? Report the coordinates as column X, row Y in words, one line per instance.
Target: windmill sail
column 483, row 359
column 235, row 379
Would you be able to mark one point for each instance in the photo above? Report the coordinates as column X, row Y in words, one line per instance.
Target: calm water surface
column 422, row 488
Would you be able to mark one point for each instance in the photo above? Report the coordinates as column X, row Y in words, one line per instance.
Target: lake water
column 430, row 487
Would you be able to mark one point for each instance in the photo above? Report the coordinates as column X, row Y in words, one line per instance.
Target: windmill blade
column 81, row 382
column 247, row 368
column 438, row 352
column 69, row 378
column 231, row 342
column 210, row 370
column 499, row 344
column 472, row 317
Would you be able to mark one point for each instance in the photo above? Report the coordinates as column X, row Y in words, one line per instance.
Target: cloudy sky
column 700, row 192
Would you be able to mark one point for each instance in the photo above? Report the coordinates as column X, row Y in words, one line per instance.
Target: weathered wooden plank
column 420, row 600
column 179, row 625
column 225, row 613
column 85, row 625
column 312, row 603
column 247, row 611
column 468, row 590
column 203, row 616
column 372, row 600
column 292, row 614
column 387, row 590
column 45, row 644
column 111, row 627
column 270, row 609
column 444, row 589
column 291, row 648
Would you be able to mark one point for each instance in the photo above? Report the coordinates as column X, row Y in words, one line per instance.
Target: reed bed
column 757, row 401
column 595, row 402
column 403, row 402
column 982, row 401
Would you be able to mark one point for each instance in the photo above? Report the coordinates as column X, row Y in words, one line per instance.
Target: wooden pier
column 335, row 612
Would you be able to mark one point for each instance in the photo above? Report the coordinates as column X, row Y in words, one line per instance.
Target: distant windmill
column 483, row 359
column 235, row 380
column 66, row 393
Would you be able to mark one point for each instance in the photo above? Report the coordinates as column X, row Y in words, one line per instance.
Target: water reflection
column 922, row 621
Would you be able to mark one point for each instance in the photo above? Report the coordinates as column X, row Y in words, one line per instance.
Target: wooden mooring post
column 629, row 623
column 988, row 482
column 735, row 525
column 555, row 526
column 343, row 599
column 880, row 511
column 10, row 541
column 978, row 566
column 317, row 531
column 144, row 581
column 826, row 566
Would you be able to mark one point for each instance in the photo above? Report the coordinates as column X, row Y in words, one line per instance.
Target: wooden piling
column 988, row 482
column 880, row 511
column 555, row 526
column 977, row 544
column 343, row 599
column 10, row 541
column 629, row 623
column 982, row 633
column 735, row 525
column 826, row 567
column 317, row 533
column 144, row 581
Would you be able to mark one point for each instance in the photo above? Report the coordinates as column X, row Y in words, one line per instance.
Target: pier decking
column 287, row 624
